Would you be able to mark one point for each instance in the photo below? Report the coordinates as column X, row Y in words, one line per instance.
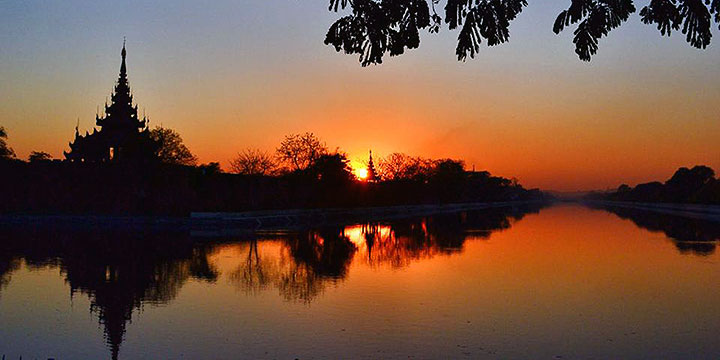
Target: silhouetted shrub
column 696, row 185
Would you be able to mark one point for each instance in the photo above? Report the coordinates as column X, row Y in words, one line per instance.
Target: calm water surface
column 565, row 281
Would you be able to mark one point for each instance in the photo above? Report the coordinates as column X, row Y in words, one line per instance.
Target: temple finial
column 123, row 67
column 371, row 173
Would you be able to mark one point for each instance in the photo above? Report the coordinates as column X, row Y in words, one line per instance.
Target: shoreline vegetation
column 52, row 187
column 696, row 185
column 303, row 174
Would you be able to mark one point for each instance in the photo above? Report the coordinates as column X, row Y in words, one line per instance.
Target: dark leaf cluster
column 378, row 27
column 485, row 19
column 375, row 28
column 692, row 17
column 596, row 19
column 171, row 149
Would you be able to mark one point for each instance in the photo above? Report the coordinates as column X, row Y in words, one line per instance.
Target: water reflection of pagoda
column 122, row 134
column 120, row 271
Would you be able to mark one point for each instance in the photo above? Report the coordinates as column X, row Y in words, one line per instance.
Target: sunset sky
column 231, row 74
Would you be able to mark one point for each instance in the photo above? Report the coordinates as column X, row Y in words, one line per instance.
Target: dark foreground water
column 565, row 281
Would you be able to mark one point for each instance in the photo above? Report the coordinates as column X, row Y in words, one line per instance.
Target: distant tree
column 298, row 152
column 691, row 178
column 253, row 162
column 210, row 168
column 695, row 185
column 685, row 183
column 448, row 171
column 6, row 152
column 39, row 156
column 624, row 188
column 171, row 148
column 393, row 166
column 332, row 170
column 649, row 192
column 708, row 193
column 378, row 27
column 448, row 179
column 399, row 166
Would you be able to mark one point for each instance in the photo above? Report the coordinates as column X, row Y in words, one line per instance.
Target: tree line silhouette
column 695, row 185
column 303, row 173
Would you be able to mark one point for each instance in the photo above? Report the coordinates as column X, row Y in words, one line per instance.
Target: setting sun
column 361, row 173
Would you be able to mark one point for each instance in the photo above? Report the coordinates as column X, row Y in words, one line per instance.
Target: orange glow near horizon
column 529, row 109
column 560, row 144
column 356, row 234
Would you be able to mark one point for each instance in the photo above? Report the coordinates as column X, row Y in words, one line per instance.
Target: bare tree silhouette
column 298, row 152
column 399, row 166
column 253, row 162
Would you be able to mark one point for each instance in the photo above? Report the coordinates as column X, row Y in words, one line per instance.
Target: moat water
column 565, row 281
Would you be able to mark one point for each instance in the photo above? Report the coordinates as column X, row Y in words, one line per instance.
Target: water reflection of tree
column 122, row 271
column 7, row 266
column 690, row 236
column 406, row 241
column 255, row 273
column 119, row 272
column 259, row 271
column 307, row 261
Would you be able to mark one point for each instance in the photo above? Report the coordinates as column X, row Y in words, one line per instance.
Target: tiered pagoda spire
column 122, row 134
column 121, row 115
column 371, row 174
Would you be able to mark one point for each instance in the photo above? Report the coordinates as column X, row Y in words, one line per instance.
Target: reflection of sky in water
column 568, row 281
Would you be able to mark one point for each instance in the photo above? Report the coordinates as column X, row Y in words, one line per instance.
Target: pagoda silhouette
column 122, row 135
column 371, row 173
